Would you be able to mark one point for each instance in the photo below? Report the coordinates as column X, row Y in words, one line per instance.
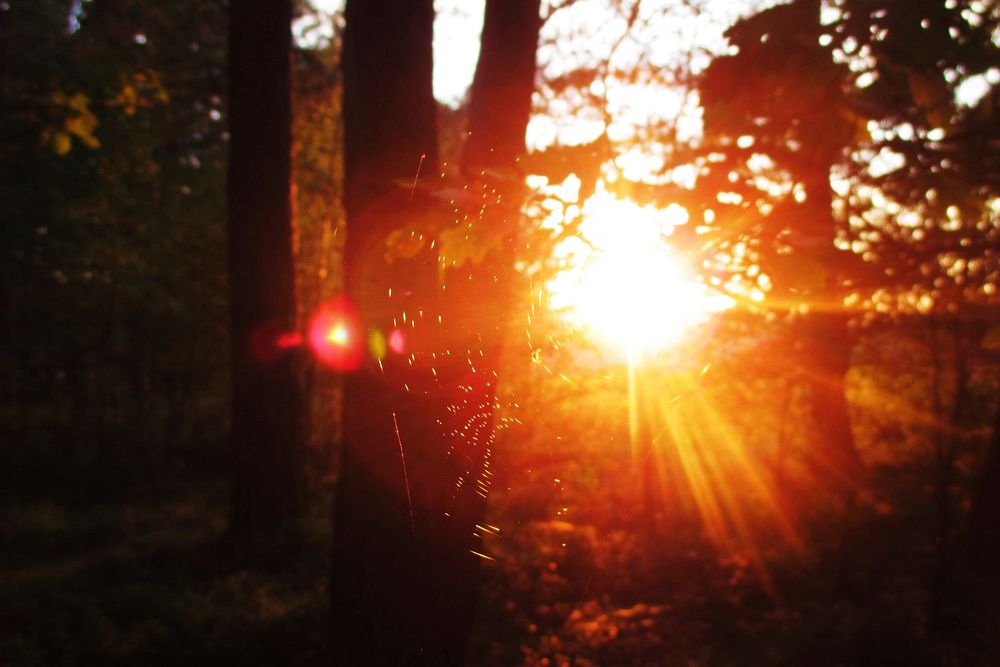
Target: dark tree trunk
column 500, row 104
column 483, row 293
column 389, row 585
column 826, row 341
column 984, row 518
column 418, row 427
column 267, row 405
column 949, row 440
column 389, row 109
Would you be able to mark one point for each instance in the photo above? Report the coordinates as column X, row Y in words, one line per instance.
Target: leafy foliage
column 112, row 262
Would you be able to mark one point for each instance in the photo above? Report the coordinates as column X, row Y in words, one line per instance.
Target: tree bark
column 389, row 108
column 267, row 404
column 389, row 584
column 984, row 517
column 825, row 346
column 483, row 293
column 418, row 427
column 500, row 103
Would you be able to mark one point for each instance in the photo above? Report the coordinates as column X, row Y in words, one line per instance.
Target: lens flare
column 270, row 342
column 288, row 340
column 335, row 335
column 397, row 341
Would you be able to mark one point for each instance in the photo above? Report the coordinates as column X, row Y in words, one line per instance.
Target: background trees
column 113, row 167
column 868, row 135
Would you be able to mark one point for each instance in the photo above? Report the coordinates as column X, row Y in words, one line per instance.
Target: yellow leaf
column 462, row 244
column 82, row 127
column 90, row 141
column 403, row 243
column 61, row 143
column 78, row 102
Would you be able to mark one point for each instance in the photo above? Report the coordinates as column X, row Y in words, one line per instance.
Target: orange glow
column 624, row 283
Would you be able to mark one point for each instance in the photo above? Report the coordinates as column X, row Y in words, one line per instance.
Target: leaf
column 403, row 243
column 459, row 245
column 61, row 143
column 558, row 161
column 83, row 127
column 79, row 102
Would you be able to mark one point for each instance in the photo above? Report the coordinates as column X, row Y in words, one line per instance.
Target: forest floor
column 142, row 577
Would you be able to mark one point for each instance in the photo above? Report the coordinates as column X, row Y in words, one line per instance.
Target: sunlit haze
column 624, row 283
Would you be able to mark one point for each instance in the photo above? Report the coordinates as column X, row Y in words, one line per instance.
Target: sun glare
column 624, row 284
column 338, row 335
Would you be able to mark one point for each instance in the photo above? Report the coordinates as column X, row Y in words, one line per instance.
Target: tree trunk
column 389, row 108
column 500, row 104
column 825, row 350
column 984, row 518
column 389, row 595
column 949, row 440
column 267, row 404
column 418, row 427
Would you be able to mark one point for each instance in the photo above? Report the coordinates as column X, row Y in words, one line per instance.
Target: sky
column 457, row 25
column 577, row 34
column 665, row 36
column 585, row 34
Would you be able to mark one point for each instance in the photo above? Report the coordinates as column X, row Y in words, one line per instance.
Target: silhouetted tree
column 500, row 100
column 784, row 95
column 389, row 604
column 267, row 404
column 869, row 98
column 418, row 428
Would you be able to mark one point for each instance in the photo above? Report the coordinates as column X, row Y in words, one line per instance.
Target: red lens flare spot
column 397, row 341
column 269, row 343
column 335, row 335
column 288, row 340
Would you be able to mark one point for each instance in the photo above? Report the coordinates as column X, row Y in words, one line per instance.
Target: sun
column 624, row 284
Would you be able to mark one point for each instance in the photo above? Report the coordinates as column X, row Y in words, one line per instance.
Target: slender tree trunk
column 825, row 343
column 484, row 293
column 500, row 103
column 825, row 349
column 949, row 440
column 825, row 338
column 267, row 404
column 984, row 518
